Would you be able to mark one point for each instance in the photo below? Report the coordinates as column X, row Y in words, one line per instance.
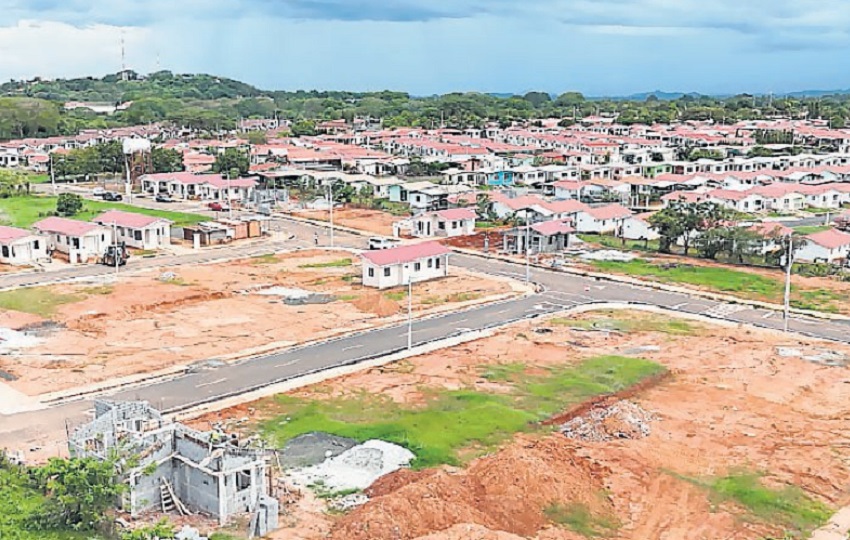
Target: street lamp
column 331, row 206
column 527, row 249
column 789, row 260
column 409, row 309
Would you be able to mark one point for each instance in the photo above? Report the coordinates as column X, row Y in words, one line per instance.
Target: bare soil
column 374, row 221
column 731, row 403
column 141, row 325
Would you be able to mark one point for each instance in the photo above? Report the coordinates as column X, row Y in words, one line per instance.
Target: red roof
column 830, row 239
column 550, row 228
column 68, row 227
column 771, row 229
column 455, row 214
column 10, row 234
column 566, row 206
column 612, row 211
column 405, row 254
column 127, row 219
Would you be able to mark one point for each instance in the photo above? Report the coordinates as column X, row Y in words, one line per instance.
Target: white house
column 742, row 201
column 80, row 241
column 602, row 220
column 395, row 267
column 638, row 228
column 19, row 246
column 449, row 223
column 137, row 230
column 827, row 246
column 568, row 189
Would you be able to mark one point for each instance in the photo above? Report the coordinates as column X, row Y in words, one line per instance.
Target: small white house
column 828, row 246
column 137, row 230
column 638, row 228
column 80, row 241
column 395, row 267
column 602, row 220
column 447, row 223
column 20, row 247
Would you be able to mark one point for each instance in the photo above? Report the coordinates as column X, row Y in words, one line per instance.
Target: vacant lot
column 374, row 221
column 90, row 332
column 745, row 442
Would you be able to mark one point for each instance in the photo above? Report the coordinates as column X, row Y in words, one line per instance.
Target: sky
column 598, row 47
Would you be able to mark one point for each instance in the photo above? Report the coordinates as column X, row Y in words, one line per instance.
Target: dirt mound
column 377, row 304
column 622, row 420
column 507, row 491
column 397, row 480
column 468, row 531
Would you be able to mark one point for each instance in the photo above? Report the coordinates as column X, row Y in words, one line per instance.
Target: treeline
column 205, row 102
column 109, row 158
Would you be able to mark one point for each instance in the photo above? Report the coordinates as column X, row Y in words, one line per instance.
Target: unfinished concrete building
column 171, row 467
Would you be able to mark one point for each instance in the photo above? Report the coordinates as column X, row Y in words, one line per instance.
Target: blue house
column 498, row 178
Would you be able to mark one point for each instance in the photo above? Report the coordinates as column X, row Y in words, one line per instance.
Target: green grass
column 818, row 300
column 24, row 211
column 341, row 263
column 100, row 290
column 510, row 372
column 612, row 242
column 268, row 258
column 39, row 301
column 396, row 296
column 812, row 229
column 578, row 518
column 347, row 297
column 450, row 422
column 788, row 508
column 646, row 323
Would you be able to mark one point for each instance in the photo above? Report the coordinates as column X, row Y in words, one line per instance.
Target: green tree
column 537, row 99
column 683, row 220
column 165, row 160
column 257, row 137
column 230, row 159
column 69, row 204
column 303, row 128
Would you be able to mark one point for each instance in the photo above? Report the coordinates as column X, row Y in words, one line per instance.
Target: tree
column 230, row 159
column 80, row 491
column 166, row 160
column 342, row 192
column 257, row 137
column 683, row 220
column 69, row 204
column 303, row 128
column 537, row 99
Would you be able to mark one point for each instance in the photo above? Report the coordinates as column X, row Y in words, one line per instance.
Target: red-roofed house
column 394, row 267
column 137, row 230
column 19, row 246
column 637, row 227
column 544, row 237
column 827, row 246
column 742, row 201
column 448, row 223
column 80, row 241
column 602, row 220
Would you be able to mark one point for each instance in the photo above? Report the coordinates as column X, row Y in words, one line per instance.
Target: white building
column 80, row 241
column 602, row 220
column 395, row 267
column 137, row 230
column 828, row 246
column 638, row 228
column 21, row 247
column 447, row 223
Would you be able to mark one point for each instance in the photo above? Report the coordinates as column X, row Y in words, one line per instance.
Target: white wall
column 375, row 276
column 24, row 251
column 153, row 237
column 90, row 246
column 637, row 229
column 812, row 252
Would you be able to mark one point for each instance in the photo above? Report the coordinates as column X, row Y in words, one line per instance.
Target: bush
column 69, row 204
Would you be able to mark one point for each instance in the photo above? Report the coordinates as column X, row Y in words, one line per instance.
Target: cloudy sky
column 599, row 47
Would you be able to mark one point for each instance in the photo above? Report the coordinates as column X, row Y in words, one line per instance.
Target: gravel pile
column 356, row 468
column 622, row 420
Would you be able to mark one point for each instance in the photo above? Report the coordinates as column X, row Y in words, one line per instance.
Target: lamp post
column 788, row 262
column 527, row 249
column 331, row 207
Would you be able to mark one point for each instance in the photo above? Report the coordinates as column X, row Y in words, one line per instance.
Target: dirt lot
column 141, row 324
column 373, row 221
column 735, row 402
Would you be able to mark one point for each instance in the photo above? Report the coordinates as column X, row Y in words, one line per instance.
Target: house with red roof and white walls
column 20, row 246
column 544, row 237
column 741, row 201
column 637, row 227
column 79, row 241
column 603, row 219
column 444, row 223
column 398, row 266
column 830, row 246
column 137, row 230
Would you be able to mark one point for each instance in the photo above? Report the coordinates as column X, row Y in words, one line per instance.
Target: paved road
column 562, row 291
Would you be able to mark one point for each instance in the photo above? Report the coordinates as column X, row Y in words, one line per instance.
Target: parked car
column 163, row 198
column 377, row 242
column 216, row 206
column 98, row 192
column 112, row 196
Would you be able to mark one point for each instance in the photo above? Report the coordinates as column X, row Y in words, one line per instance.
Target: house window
column 243, row 480
column 417, row 267
column 387, row 272
column 35, row 244
column 437, row 262
column 76, row 243
column 454, row 224
column 430, row 263
column 441, row 225
column 371, row 272
column 5, row 251
column 137, row 235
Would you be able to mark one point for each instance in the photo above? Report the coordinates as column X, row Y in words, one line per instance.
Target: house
column 771, row 234
column 20, row 247
column 206, row 472
column 831, row 246
column 741, row 201
column 781, row 197
column 545, row 237
column 637, row 227
column 137, row 230
column 79, row 241
column 448, row 223
column 394, row 267
column 603, row 219
column 568, row 189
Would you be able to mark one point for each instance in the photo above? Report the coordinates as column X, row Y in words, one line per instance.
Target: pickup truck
column 111, row 196
column 216, row 206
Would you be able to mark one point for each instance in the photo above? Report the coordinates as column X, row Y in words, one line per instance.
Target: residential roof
column 565, row 206
column 611, row 211
column 10, row 234
column 68, row 227
column 455, row 214
column 830, row 239
column 405, row 254
column 767, row 228
column 551, row 228
column 127, row 219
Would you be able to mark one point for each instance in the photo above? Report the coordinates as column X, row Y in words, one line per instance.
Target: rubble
column 622, row 420
column 311, row 449
column 349, row 502
column 608, row 255
column 13, row 340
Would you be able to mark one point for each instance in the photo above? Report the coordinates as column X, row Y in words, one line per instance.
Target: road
column 560, row 291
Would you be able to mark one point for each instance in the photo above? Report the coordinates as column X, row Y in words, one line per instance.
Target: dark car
column 112, row 196
column 163, row 198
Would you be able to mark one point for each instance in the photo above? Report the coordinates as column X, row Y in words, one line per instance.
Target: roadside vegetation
column 41, row 301
column 646, row 322
column 451, row 426
column 580, row 519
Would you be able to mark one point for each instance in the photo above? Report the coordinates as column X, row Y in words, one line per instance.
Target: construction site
column 620, row 424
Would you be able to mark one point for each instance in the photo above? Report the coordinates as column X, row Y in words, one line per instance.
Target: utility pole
column 115, row 247
column 331, row 207
column 788, row 262
column 229, row 198
column 409, row 310
column 527, row 249
column 52, row 173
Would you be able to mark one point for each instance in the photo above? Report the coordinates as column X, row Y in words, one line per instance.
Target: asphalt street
column 560, row 291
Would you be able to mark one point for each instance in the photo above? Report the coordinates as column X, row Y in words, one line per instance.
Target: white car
column 98, row 192
column 377, row 242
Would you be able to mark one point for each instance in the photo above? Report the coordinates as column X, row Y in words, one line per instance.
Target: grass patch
column 647, row 323
column 39, row 301
column 100, row 290
column 24, row 211
column 341, row 263
column 396, row 296
column 504, row 372
column 463, row 297
column 612, row 242
column 449, row 422
column 789, row 507
column 347, row 297
column 268, row 258
column 812, row 229
column 818, row 300
column 578, row 518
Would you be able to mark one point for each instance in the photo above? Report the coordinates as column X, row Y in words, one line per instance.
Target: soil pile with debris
column 377, row 304
column 621, row 420
column 312, row 448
